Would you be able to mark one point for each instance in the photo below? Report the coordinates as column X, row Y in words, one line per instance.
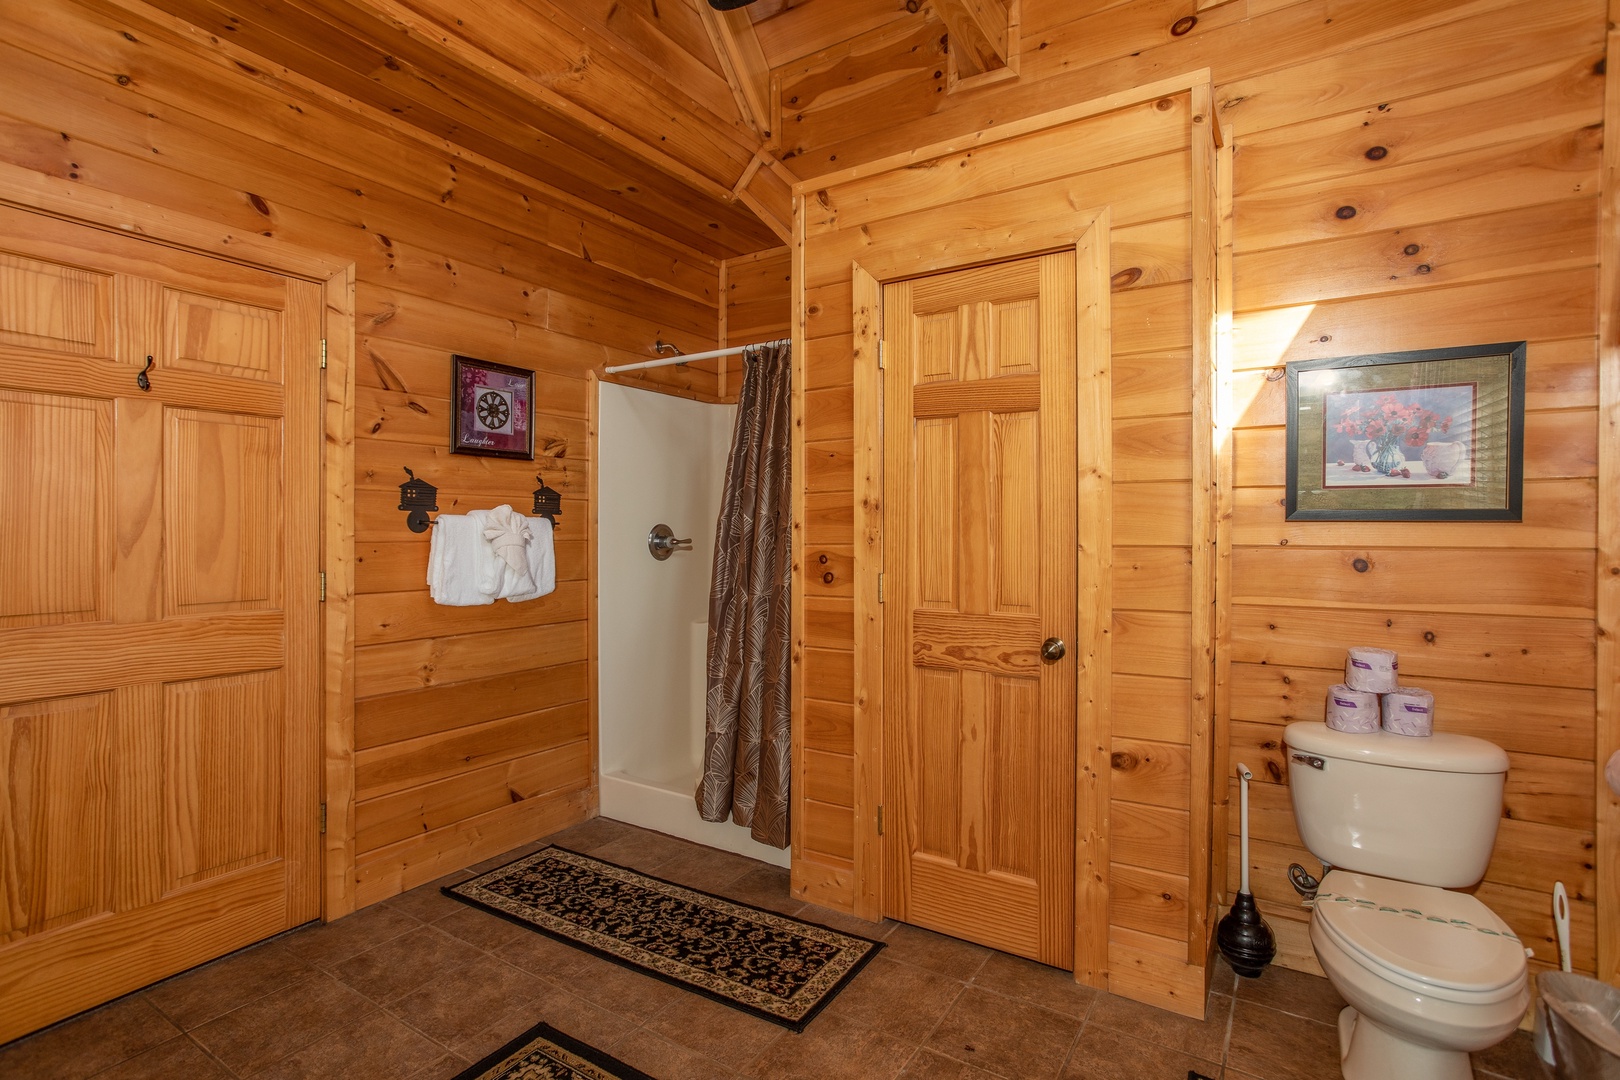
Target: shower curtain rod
column 687, row 358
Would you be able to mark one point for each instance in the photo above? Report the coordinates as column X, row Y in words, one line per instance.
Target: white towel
column 508, row 533
column 457, row 554
column 542, row 562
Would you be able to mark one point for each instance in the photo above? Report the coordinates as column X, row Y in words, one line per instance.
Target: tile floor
column 420, row 986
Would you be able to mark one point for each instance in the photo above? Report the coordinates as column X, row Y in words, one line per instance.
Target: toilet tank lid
column 1441, row 752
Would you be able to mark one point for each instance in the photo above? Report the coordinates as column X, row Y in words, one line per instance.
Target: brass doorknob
column 1053, row 649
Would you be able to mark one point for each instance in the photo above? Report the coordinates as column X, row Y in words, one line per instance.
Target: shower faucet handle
column 661, row 541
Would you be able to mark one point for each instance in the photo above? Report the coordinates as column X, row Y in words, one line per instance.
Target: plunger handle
column 1244, row 776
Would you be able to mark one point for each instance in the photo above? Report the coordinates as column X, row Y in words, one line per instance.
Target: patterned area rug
column 544, row 1053
column 781, row 969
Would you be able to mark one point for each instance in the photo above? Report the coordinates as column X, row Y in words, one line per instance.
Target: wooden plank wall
column 1136, row 163
column 1408, row 174
column 473, row 726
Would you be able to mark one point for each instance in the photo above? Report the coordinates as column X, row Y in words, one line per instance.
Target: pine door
column 979, row 571
column 159, row 689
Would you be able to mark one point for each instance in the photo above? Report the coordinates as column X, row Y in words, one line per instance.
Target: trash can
column 1583, row 1020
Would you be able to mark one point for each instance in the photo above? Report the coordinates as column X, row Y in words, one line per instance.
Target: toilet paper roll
column 1409, row 710
column 1355, row 711
column 1377, row 670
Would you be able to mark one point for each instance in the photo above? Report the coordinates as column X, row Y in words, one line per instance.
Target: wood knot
column 1125, row 278
column 827, row 578
column 1345, row 213
column 1183, row 25
column 1411, row 249
column 1361, row 566
column 1122, row 760
column 1377, row 153
column 1428, row 635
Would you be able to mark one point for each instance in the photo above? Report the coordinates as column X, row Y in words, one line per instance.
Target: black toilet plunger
column 1243, row 936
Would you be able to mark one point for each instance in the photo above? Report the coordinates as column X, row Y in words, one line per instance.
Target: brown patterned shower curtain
column 746, row 750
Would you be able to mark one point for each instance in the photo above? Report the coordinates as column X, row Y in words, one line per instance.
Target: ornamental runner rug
column 544, row 1053
column 778, row 968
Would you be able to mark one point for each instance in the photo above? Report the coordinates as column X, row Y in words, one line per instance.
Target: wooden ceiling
column 657, row 110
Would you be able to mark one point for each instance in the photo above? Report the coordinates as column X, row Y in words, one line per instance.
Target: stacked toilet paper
column 1371, row 697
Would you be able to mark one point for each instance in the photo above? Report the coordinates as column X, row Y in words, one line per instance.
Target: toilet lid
column 1444, row 939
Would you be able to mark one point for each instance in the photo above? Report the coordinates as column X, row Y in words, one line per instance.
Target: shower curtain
column 746, row 711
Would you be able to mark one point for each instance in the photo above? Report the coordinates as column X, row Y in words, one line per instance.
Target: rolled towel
column 542, row 562
column 1350, row 710
column 457, row 552
column 1377, row 670
column 1409, row 710
column 507, row 531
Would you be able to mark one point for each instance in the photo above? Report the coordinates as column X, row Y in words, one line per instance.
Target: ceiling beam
column 743, row 61
column 766, row 188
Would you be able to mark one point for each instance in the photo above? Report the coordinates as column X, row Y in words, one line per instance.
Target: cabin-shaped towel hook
column 547, row 501
column 418, row 497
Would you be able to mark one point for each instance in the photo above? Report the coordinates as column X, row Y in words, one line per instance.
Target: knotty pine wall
column 1408, row 174
column 473, row 727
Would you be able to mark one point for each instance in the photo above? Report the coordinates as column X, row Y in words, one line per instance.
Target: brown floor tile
column 1280, row 1046
column 657, row 1056
column 636, row 997
column 765, row 886
column 897, row 999
column 699, row 867
column 428, row 902
column 261, row 1033
column 479, row 928
column 1004, row 1036
column 729, row 1036
column 540, row 955
column 445, row 1068
column 554, row 1005
column 329, row 944
column 1310, row 996
column 87, row 1044
column 179, row 1057
column 458, row 1003
column 375, row 1046
column 587, row 836
column 642, row 850
column 833, row 1049
column 936, row 952
column 1105, row 1054
column 1204, row 1039
column 1513, row 1058
column 845, row 924
column 1049, row 987
column 396, row 967
column 927, row 1065
column 197, row 996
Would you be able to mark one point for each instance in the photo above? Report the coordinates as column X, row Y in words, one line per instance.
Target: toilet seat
column 1431, row 941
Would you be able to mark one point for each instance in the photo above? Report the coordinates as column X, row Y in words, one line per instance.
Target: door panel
column 980, row 532
column 159, row 690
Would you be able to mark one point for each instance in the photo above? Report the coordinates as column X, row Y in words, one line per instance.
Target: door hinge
column 880, row 355
column 880, row 588
column 323, row 354
column 880, row 821
column 323, row 586
column 323, row 819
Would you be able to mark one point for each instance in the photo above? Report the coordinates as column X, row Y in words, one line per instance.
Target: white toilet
column 1429, row 974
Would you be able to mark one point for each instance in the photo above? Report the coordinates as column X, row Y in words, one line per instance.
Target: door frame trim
column 39, row 193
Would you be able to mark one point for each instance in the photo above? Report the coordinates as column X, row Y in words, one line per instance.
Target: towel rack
column 417, row 498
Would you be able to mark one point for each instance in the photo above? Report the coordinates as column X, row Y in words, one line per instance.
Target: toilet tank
column 1423, row 810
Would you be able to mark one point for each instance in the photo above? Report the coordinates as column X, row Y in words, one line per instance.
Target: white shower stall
column 660, row 460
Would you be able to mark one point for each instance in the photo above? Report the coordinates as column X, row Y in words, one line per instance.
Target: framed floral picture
column 1434, row 435
column 492, row 409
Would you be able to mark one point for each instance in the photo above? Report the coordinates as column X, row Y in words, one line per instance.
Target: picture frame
column 491, row 409
column 1427, row 435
